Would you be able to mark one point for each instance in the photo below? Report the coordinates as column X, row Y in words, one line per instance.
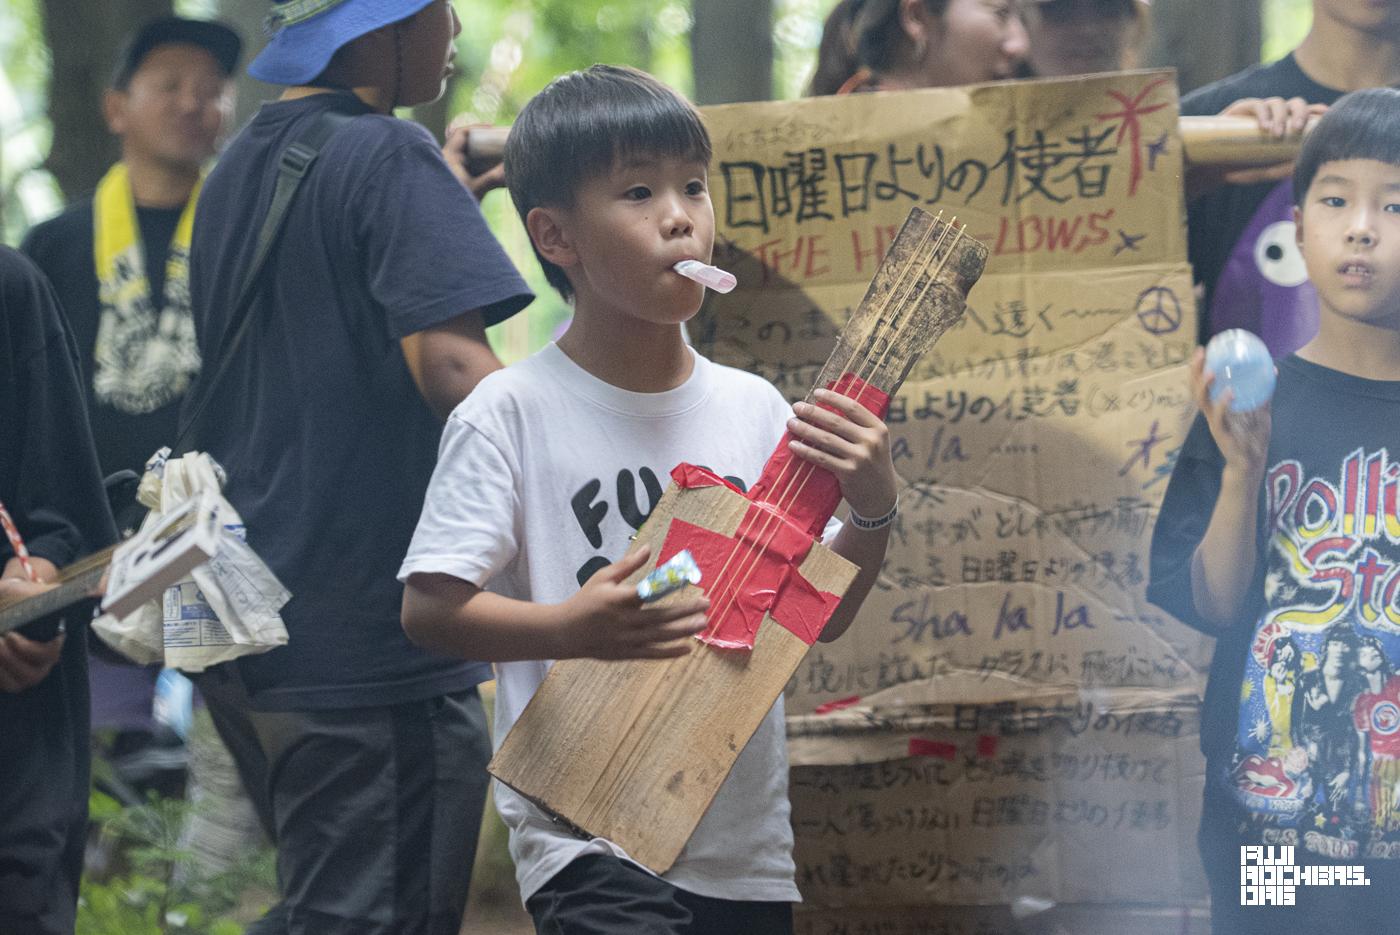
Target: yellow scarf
column 143, row 359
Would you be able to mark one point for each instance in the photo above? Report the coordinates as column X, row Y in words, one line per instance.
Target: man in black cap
column 119, row 259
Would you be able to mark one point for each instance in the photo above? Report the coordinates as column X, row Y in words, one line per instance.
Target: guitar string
column 772, row 524
column 889, row 344
column 792, row 466
column 776, row 519
column 933, row 279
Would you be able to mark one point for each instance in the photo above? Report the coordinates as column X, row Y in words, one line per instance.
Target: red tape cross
column 789, row 507
column 762, row 577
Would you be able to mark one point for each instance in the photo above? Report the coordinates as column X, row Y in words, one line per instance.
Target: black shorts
column 598, row 894
column 374, row 811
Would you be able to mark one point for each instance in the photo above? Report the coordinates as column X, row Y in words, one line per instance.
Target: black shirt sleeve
column 62, row 249
column 49, row 478
column 409, row 200
column 1181, row 525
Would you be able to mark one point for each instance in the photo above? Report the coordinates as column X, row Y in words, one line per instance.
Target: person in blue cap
column 364, row 755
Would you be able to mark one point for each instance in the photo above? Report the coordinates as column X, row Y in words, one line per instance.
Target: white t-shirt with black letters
column 543, row 474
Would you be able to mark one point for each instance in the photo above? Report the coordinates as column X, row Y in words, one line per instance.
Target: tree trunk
column 1205, row 39
column 731, row 45
column 84, row 40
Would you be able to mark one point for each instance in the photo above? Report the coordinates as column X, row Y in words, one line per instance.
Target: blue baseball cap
column 306, row 33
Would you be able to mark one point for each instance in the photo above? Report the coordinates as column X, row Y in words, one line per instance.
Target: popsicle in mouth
column 711, row 277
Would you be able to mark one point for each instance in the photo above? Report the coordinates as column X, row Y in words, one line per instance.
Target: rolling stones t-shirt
column 1301, row 725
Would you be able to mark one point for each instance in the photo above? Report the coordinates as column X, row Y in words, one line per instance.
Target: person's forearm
column 865, row 549
column 1222, row 567
column 448, row 361
column 454, row 618
column 449, row 378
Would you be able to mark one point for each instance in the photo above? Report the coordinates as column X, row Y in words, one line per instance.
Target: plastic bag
column 228, row 607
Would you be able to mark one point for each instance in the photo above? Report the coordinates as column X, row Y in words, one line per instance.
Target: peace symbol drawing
column 1158, row 310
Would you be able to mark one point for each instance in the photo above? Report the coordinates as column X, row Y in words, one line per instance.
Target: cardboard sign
column 1035, row 443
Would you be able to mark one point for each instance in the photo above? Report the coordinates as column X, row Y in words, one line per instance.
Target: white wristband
column 862, row 522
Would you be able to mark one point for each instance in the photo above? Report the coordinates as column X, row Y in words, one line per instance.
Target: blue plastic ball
column 1241, row 362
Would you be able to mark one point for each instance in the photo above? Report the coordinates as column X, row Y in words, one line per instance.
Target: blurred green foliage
column 154, row 886
column 26, row 193
column 1286, row 22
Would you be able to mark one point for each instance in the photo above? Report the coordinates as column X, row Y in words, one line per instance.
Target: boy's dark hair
column 584, row 123
column 1361, row 125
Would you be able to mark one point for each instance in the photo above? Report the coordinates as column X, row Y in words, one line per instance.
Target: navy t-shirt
column 327, row 442
column 50, row 484
column 1301, row 720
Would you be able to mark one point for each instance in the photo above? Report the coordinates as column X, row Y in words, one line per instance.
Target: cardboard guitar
column 634, row 751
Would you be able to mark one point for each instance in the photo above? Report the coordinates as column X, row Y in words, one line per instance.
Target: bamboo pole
column 1205, row 141
column 1235, row 141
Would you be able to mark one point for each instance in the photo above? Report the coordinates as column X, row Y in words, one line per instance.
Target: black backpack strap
column 297, row 160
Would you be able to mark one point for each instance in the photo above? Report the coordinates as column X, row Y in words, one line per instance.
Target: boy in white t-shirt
column 549, row 467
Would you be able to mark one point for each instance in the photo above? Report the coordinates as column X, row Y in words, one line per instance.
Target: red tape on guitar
column 756, row 571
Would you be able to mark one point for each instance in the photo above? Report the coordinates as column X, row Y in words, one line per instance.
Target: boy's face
column 1349, row 235
column 626, row 230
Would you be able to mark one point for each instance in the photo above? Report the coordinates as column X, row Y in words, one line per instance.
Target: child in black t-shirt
column 51, row 487
column 1280, row 536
